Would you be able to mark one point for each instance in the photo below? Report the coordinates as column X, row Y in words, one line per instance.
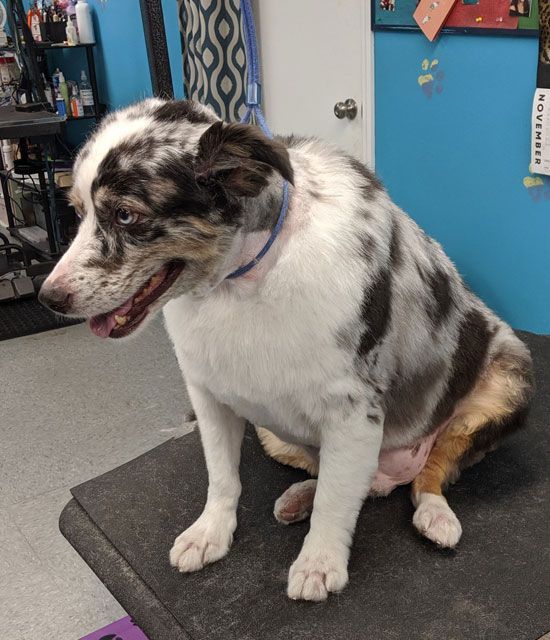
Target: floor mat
column 25, row 317
column 494, row 586
column 123, row 629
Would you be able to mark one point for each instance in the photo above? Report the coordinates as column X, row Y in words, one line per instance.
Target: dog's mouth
column 125, row 319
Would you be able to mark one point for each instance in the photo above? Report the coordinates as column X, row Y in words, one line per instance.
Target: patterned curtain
column 544, row 19
column 214, row 59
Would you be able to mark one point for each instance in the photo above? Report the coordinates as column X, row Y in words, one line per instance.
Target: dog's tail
column 292, row 455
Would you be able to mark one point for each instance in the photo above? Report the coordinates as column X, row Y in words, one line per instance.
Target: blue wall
column 456, row 161
column 122, row 57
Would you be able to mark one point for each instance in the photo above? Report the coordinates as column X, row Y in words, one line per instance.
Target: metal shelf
column 47, row 46
column 15, row 232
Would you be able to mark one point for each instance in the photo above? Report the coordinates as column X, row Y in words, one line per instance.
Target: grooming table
column 496, row 586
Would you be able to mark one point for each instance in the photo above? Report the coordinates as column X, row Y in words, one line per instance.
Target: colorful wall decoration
column 504, row 17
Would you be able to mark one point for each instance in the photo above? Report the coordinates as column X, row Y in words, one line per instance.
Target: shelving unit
column 90, row 62
column 39, row 131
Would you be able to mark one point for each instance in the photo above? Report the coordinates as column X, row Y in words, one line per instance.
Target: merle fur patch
column 468, row 360
column 176, row 110
column 441, row 299
column 375, row 311
column 396, row 251
column 370, row 184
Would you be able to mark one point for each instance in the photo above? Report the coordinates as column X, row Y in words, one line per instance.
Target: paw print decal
column 431, row 78
column 538, row 186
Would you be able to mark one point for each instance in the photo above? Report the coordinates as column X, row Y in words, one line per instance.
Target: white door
column 316, row 53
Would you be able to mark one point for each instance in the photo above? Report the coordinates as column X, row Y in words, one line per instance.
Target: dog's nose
column 56, row 297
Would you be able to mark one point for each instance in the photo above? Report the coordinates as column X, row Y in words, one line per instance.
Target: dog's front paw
column 314, row 575
column 206, row 541
column 434, row 519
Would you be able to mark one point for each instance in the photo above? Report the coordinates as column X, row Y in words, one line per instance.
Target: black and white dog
column 353, row 341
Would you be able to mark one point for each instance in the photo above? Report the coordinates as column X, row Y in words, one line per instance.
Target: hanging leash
column 254, row 87
column 254, row 112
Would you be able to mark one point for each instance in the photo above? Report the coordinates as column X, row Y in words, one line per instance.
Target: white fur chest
column 268, row 352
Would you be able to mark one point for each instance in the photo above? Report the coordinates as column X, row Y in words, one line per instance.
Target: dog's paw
column 434, row 519
column 296, row 503
column 314, row 576
column 206, row 541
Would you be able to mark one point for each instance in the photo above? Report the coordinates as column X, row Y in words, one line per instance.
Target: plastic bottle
column 72, row 34
column 64, row 91
column 7, row 155
column 55, row 78
column 71, row 11
column 84, row 21
column 60, row 103
column 48, row 91
column 86, row 95
column 77, row 110
column 34, row 18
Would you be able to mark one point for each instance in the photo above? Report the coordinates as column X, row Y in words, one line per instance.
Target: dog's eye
column 125, row 217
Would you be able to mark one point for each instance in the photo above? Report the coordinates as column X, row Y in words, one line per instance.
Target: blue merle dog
column 353, row 342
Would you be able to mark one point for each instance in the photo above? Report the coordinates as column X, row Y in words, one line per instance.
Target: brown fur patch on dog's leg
column 296, row 503
column 292, row 455
column 489, row 412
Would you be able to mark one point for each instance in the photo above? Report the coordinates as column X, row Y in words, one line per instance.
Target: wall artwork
column 505, row 17
column 431, row 78
column 430, row 15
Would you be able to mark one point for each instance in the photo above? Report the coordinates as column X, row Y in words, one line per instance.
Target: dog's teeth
column 121, row 320
column 151, row 285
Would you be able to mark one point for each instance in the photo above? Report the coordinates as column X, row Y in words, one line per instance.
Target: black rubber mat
column 495, row 586
column 27, row 316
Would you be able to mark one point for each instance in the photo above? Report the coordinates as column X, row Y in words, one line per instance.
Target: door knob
column 346, row 109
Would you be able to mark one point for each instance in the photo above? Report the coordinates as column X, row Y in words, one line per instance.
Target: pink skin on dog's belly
column 403, row 464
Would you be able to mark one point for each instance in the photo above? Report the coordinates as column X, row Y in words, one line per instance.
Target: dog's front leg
column 348, row 462
column 210, row 537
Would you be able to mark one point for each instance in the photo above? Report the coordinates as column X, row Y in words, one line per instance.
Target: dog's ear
column 239, row 158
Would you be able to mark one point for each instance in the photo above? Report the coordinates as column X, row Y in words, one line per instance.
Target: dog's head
column 160, row 189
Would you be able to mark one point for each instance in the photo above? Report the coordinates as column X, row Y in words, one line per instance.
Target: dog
column 353, row 342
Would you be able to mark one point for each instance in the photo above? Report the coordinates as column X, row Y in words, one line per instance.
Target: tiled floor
column 71, row 406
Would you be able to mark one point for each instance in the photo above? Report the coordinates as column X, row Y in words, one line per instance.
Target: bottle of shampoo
column 61, row 108
column 84, row 22
column 86, row 95
column 76, row 103
column 64, row 91
column 34, row 18
column 55, row 81
column 72, row 34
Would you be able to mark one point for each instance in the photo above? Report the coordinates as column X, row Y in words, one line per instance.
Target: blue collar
column 282, row 215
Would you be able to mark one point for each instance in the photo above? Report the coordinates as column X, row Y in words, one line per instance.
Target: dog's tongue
column 103, row 324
